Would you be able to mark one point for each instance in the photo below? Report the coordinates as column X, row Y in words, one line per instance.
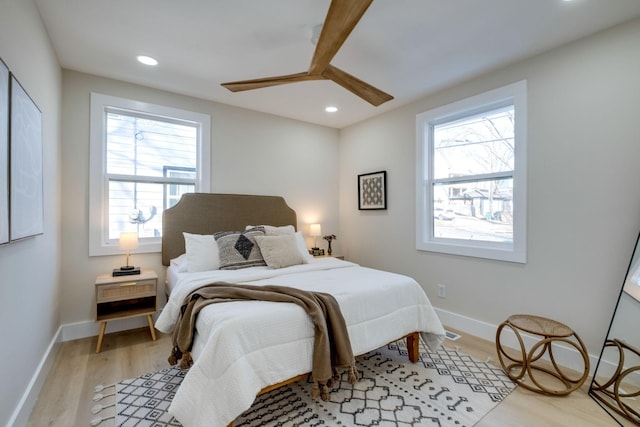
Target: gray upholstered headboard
column 207, row 213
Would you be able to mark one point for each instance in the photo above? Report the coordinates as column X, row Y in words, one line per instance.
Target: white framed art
column 4, row 153
column 26, row 188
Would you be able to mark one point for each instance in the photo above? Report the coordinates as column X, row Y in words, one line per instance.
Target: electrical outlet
column 442, row 290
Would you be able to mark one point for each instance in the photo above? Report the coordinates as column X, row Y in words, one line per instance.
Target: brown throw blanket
column 332, row 348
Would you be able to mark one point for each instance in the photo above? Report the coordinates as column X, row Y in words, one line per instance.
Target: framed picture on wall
column 26, row 190
column 4, row 153
column 372, row 191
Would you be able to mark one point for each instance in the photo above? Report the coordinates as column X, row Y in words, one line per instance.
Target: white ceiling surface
column 407, row 48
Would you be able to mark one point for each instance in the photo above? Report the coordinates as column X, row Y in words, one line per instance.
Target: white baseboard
column 76, row 331
column 21, row 414
column 565, row 355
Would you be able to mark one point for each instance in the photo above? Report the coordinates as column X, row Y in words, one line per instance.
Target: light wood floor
column 66, row 397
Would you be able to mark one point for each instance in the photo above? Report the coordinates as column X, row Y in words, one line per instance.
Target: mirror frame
column 607, row 394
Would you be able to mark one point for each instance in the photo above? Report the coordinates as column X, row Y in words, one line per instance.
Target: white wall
column 29, row 284
column 252, row 153
column 583, row 194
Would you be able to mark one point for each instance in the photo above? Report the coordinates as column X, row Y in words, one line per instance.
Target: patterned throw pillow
column 238, row 249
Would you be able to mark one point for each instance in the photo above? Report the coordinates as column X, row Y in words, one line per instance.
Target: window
column 471, row 176
column 143, row 158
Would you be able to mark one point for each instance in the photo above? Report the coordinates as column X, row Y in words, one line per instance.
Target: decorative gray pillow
column 270, row 230
column 238, row 249
column 280, row 251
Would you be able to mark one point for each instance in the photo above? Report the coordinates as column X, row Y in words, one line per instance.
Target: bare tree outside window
column 473, row 177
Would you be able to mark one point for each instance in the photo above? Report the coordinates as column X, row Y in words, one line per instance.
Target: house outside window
column 471, row 176
column 174, row 191
column 143, row 158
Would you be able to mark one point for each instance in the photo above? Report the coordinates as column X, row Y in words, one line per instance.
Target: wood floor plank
column 66, row 396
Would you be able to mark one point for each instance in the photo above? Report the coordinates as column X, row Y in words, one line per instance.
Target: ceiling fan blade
column 270, row 81
column 362, row 89
column 342, row 17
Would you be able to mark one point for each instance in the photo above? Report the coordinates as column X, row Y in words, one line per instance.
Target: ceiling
column 407, row 48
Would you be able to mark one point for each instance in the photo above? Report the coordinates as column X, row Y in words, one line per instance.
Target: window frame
column 513, row 94
column 99, row 243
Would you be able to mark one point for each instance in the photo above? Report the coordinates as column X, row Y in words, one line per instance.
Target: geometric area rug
column 444, row 388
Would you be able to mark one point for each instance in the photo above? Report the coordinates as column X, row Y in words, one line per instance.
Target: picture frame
column 4, row 153
column 372, row 191
column 26, row 204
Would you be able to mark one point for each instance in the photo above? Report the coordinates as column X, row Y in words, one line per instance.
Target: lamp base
column 127, row 270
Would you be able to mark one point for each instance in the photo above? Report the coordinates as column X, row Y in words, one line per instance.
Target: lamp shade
column 315, row 230
column 128, row 240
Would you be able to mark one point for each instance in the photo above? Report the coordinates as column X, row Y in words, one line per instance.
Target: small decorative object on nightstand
column 329, row 238
column 123, row 297
column 128, row 241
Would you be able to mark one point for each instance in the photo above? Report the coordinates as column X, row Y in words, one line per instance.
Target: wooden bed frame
column 208, row 213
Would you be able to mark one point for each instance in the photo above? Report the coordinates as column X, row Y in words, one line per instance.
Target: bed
column 244, row 348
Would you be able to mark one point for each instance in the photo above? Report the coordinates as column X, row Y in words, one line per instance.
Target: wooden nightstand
column 330, row 256
column 126, row 296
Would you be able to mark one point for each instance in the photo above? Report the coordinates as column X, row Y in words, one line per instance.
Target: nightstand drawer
column 125, row 290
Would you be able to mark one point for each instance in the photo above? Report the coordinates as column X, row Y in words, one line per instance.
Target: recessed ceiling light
column 147, row 60
column 331, row 109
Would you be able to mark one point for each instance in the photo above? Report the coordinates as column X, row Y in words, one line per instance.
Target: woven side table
column 526, row 368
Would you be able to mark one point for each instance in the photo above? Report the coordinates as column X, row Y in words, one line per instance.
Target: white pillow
column 202, row 252
column 270, row 230
column 279, row 251
column 302, row 248
column 180, row 264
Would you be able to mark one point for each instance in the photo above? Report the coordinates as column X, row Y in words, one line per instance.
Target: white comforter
column 242, row 347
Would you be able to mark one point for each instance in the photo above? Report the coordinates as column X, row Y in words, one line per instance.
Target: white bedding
column 173, row 276
column 242, row 347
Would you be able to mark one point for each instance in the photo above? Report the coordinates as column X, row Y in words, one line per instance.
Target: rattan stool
column 520, row 368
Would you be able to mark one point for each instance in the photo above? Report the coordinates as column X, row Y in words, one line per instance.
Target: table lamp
column 128, row 241
column 315, row 230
